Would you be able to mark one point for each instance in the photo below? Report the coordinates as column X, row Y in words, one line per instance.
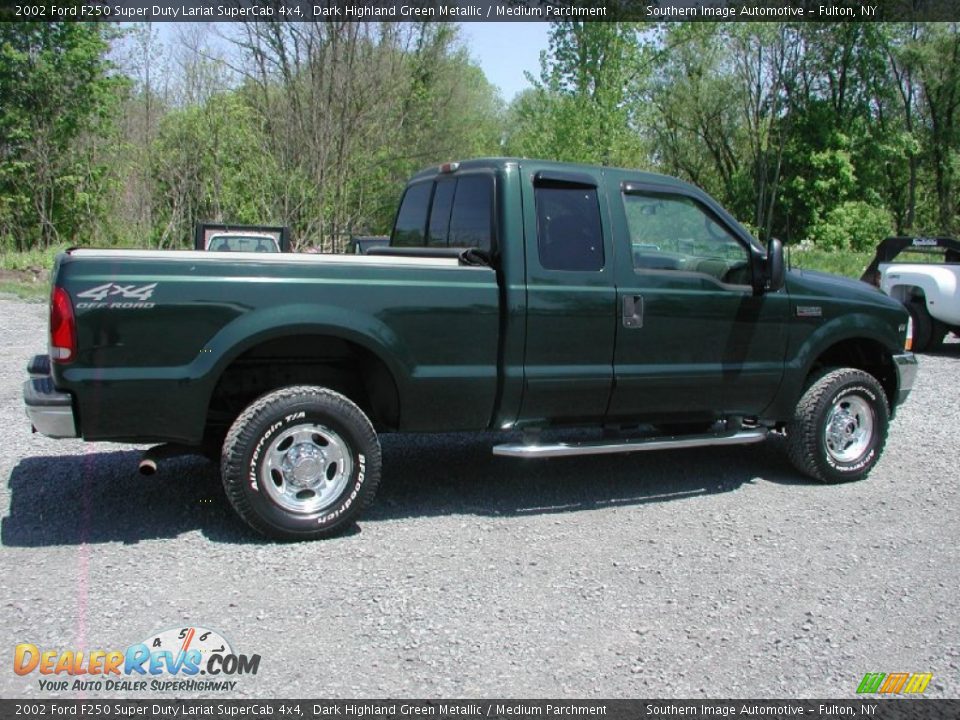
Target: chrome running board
column 521, row 450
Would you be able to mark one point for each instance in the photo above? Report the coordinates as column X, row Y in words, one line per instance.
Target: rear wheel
column 922, row 325
column 839, row 427
column 301, row 463
column 938, row 333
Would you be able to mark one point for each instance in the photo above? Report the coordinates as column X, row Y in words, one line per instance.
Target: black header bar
column 482, row 10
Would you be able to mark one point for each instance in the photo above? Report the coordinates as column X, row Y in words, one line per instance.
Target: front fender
column 807, row 348
column 852, row 326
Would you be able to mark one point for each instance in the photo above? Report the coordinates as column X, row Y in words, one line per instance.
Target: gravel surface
column 703, row 573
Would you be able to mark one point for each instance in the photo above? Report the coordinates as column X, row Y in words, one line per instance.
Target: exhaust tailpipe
column 152, row 457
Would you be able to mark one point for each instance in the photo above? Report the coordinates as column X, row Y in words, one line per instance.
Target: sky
column 505, row 50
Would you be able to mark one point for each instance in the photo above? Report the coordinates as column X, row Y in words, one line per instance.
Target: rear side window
column 569, row 235
column 411, row 222
column 450, row 212
column 440, row 213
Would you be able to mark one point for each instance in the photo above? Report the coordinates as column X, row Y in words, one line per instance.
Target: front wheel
column 839, row 427
column 301, row 463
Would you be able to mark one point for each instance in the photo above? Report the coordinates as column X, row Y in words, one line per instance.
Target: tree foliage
column 59, row 94
column 827, row 133
column 584, row 106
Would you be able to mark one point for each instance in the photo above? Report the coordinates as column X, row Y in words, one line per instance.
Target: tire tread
column 232, row 465
column 802, row 433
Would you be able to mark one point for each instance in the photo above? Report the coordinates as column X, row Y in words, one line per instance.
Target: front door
column 693, row 340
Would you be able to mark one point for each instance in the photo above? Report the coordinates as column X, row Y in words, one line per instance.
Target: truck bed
column 158, row 329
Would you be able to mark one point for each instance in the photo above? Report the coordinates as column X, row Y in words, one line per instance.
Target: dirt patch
column 31, row 275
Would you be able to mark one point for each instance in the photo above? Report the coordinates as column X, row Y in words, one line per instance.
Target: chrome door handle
column 633, row 311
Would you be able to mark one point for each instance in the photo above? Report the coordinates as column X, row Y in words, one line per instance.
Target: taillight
column 908, row 343
column 63, row 327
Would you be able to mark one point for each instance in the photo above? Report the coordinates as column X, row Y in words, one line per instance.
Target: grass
column 30, row 259
column 839, row 262
column 25, row 274
column 25, row 290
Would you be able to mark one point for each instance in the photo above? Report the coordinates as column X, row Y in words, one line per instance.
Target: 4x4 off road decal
column 114, row 295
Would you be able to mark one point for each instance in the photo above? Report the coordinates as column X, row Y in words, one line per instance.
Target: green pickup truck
column 515, row 295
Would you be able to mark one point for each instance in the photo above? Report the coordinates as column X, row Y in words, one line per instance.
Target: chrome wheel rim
column 306, row 468
column 848, row 430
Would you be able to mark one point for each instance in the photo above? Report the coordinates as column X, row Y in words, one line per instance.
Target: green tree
column 59, row 92
column 936, row 57
column 584, row 107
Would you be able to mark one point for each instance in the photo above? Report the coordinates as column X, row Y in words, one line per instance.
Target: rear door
column 571, row 299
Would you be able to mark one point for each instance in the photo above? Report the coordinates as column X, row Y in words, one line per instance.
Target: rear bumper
column 50, row 410
column 906, row 365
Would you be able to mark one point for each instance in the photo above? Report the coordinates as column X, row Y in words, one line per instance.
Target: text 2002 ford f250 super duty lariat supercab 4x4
column 515, row 294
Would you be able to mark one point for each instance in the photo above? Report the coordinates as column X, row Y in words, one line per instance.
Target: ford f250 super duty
column 514, row 295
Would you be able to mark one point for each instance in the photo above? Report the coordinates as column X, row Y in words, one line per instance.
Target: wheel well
column 867, row 355
column 908, row 293
column 330, row 362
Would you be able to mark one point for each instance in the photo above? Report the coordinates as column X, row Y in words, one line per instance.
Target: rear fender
column 259, row 326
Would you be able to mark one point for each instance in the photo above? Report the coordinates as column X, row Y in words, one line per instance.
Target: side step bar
column 521, row 450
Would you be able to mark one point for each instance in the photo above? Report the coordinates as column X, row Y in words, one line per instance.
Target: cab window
column 675, row 232
column 449, row 212
column 569, row 234
column 411, row 222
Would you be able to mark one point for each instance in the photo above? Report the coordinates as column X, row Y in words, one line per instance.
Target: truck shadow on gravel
column 100, row 497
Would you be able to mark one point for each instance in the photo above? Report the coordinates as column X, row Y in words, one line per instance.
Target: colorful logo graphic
column 187, row 652
column 894, row 683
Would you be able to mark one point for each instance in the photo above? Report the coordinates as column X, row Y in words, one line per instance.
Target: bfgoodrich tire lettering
column 301, row 463
column 839, row 427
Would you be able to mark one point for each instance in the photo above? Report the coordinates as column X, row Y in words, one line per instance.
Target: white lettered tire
column 301, row 463
column 839, row 427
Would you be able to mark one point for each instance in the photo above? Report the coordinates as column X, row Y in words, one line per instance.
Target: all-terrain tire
column 922, row 325
column 301, row 463
column 839, row 427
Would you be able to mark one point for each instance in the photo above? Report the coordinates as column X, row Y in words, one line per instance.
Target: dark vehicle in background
column 361, row 245
column 515, row 295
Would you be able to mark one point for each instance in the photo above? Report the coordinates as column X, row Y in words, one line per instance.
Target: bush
column 854, row 225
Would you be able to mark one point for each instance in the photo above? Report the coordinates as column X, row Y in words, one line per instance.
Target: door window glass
column 673, row 232
column 569, row 235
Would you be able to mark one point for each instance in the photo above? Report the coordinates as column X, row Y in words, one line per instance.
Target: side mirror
column 775, row 268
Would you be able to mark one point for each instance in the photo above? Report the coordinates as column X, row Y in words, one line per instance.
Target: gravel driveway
column 716, row 573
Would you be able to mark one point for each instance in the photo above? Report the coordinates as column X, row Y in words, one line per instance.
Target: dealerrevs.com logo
column 177, row 660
